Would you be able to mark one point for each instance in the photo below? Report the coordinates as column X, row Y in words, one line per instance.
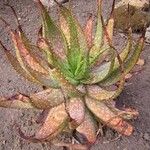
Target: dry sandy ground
column 136, row 93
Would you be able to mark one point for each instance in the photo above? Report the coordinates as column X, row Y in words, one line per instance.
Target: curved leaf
column 15, row 64
column 45, row 47
column 126, row 113
column 46, row 80
column 88, row 129
column 99, row 73
column 76, row 111
column 110, row 24
column 29, row 63
column 54, row 123
column 65, row 28
column 47, row 99
column 68, row 89
column 125, row 51
column 98, row 39
column 98, row 93
column 16, row 102
column 102, row 72
column 51, row 32
column 108, row 117
column 23, row 53
column 55, row 60
column 128, row 64
column 99, row 28
column 77, row 53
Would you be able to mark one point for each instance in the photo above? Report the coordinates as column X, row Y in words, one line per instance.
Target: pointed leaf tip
column 108, row 117
column 16, row 102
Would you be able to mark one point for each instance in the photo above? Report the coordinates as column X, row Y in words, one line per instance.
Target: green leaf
column 128, row 64
column 101, row 72
column 104, row 35
column 123, row 55
column 100, row 94
column 98, row 39
column 78, row 49
column 31, row 64
column 99, row 27
column 125, row 51
column 51, row 32
column 69, row 90
column 56, row 61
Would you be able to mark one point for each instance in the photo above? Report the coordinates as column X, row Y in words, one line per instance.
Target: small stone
column 19, row 18
column 140, row 62
column 146, row 136
column 128, row 76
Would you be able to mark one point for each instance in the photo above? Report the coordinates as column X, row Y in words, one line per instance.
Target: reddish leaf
column 52, row 32
column 54, row 123
column 47, row 98
column 23, row 52
column 17, row 101
column 108, row 117
column 99, row 93
column 15, row 64
column 88, row 129
column 88, row 30
column 76, row 111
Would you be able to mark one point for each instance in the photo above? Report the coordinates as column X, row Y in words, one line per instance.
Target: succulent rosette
column 78, row 67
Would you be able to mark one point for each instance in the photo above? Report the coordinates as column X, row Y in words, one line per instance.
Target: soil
column 135, row 94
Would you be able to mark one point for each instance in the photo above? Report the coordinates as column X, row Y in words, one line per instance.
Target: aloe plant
column 76, row 67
